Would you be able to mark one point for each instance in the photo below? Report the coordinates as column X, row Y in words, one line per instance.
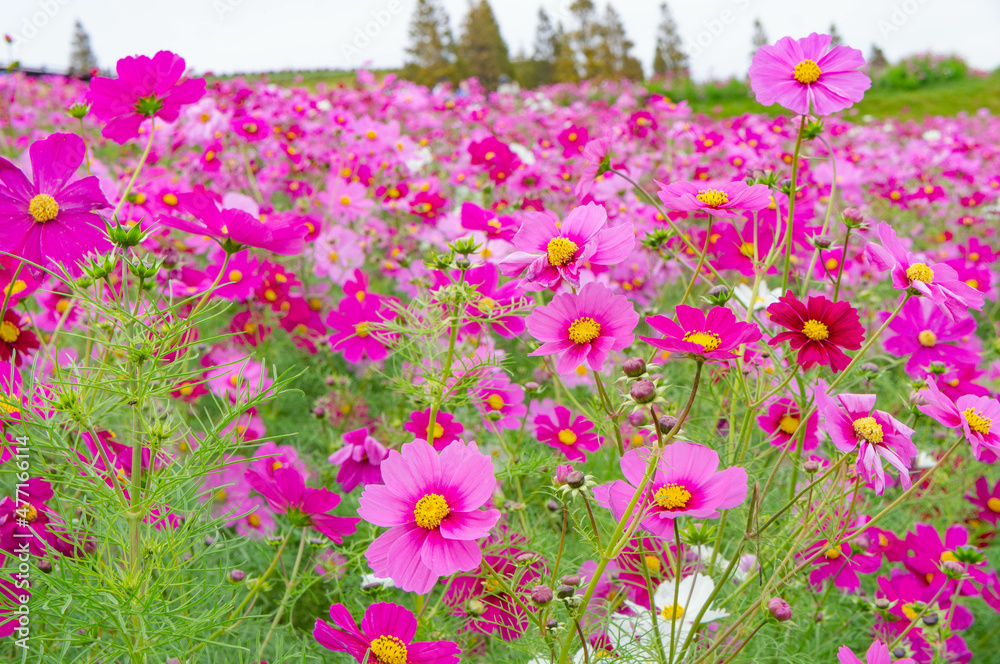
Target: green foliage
column 921, row 71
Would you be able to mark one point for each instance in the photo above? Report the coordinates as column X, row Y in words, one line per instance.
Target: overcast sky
column 226, row 36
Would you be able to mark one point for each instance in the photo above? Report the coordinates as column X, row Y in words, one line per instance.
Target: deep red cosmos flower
column 818, row 330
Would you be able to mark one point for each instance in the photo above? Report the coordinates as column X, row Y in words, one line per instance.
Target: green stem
column 840, row 270
column 138, row 167
column 791, row 206
column 289, row 586
column 701, row 261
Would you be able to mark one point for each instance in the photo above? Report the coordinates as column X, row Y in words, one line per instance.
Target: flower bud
column 779, row 609
column 882, row 603
column 494, row 416
column 899, row 652
column 78, row 111
column 637, row 418
column 810, row 466
column 173, row 660
column 571, row 580
column 869, row 367
column 531, row 386
column 237, row 575
column 667, row 423
column 718, row 291
column 823, row 241
column 930, row 619
column 463, row 263
column 475, row 607
column 552, row 506
column 541, row 595
column 576, row 479
column 552, row 624
column 852, row 216
column 44, row 566
column 643, row 391
column 634, row 367
column 319, row 412
column 565, row 592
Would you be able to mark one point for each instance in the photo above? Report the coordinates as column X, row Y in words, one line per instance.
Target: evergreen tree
column 565, row 69
column 877, row 62
column 81, row 57
column 614, row 58
column 481, row 50
column 543, row 60
column 585, row 40
column 759, row 38
column 669, row 58
column 837, row 39
column 431, row 53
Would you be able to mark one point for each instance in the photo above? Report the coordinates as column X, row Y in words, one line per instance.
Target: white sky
column 226, row 36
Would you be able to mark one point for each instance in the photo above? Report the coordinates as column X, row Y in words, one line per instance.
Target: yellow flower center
column 438, row 431
column 807, row 72
column 920, row 272
column 927, row 338
column 170, row 199
column 584, row 330
column 430, row 510
column 948, row 555
column 707, row 340
column 495, row 402
column 235, row 276
column 567, row 437
column 869, row 429
column 371, row 135
column 833, row 553
column 254, row 521
column 712, row 197
column 487, row 304
column 789, row 424
column 977, row 421
column 672, row 612
column 994, row 505
column 27, row 512
column 220, row 495
column 15, row 287
column 43, row 208
column 389, row 649
column 561, row 250
column 747, row 249
column 652, row 563
column 909, row 612
column 672, row 497
column 361, row 329
column 9, row 332
column 815, row 330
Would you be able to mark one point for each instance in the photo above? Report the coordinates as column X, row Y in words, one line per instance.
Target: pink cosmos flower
column 986, row 500
column 353, row 326
column 50, row 220
column 724, row 201
column 271, row 457
column 925, row 338
column 818, row 329
column 145, row 88
column 597, row 156
column 585, row 326
column 782, row 422
column 804, row 73
column 29, row 522
column 851, row 420
column 571, row 435
column 255, row 519
column 359, row 460
column 386, row 633
column 712, row 337
column 431, row 505
column 475, row 218
column 938, row 282
column 927, row 550
column 975, row 416
column 686, row 482
column 282, row 236
column 446, row 428
column 550, row 251
column 878, row 653
column 497, row 394
column 842, row 563
column 287, row 494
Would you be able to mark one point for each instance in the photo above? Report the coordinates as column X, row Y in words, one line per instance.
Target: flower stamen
column 430, row 511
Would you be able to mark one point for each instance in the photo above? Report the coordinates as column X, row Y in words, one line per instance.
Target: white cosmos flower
column 765, row 296
column 693, row 592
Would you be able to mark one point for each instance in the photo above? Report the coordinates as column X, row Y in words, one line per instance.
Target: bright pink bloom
column 986, row 500
column 925, row 338
column 686, row 482
column 878, row 653
column 724, row 201
column 497, row 394
column 782, row 422
column 475, row 218
column 842, row 563
column 712, row 337
column 573, row 139
column 251, row 129
column 359, row 460
column 818, row 330
column 446, row 428
column 387, row 632
column 550, row 251
column 804, row 73
column 431, row 505
column 975, row 416
column 287, row 493
column 571, row 435
column 597, row 155
column 354, row 329
column 29, row 524
column 50, row 220
column 938, row 282
column 851, row 420
column 145, row 88
column 585, row 326
column 495, row 302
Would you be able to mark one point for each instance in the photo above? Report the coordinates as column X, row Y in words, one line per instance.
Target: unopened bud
column 319, row 412
column 237, row 575
column 571, row 580
column 643, row 391
column 475, row 607
column 930, row 619
column 779, row 609
column 823, row 241
column 634, row 367
column 463, row 263
column 810, row 466
column 882, row 603
column 531, row 386
column 637, row 418
column 870, row 367
column 853, row 215
column 667, row 423
column 552, row 506
column 565, row 592
column 576, row 479
column 899, row 652
column 44, row 565
column 541, row 595
column 718, row 291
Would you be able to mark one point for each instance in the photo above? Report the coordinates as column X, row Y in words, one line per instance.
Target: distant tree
column 543, row 59
column 877, row 62
column 81, row 57
column 431, row 53
column 565, row 68
column 669, row 58
column 837, row 39
column 481, row 50
column 584, row 41
column 759, row 37
column 614, row 58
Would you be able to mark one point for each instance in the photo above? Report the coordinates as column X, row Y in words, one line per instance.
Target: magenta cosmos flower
column 852, row 421
column 818, row 330
column 50, row 220
column 782, row 422
column 975, row 416
column 550, row 251
column 686, row 482
column 355, row 332
column 359, row 460
column 938, row 282
column 145, row 88
column 229, row 225
column 724, row 201
column 431, row 505
column 878, row 653
column 584, row 326
column 986, row 500
column 287, row 494
column 570, row 435
column 804, row 73
column 446, row 428
column 712, row 337
column 923, row 337
column 387, row 632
